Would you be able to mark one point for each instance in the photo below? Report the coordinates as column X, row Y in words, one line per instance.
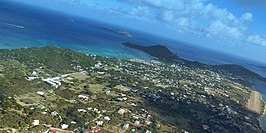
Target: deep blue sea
column 24, row 26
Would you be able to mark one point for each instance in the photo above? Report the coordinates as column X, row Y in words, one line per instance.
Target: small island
column 124, row 33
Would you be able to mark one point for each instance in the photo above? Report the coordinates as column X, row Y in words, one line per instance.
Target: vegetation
column 57, row 86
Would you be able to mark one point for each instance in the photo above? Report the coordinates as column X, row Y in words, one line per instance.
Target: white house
column 121, row 111
column 35, row 122
column 107, row 118
column 64, row 126
column 40, row 93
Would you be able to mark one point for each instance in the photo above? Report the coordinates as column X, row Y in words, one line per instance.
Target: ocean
column 23, row 26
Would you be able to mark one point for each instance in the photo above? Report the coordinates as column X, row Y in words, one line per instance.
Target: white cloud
column 218, row 28
column 183, row 22
column 140, row 11
column 199, row 17
column 256, row 39
column 247, row 17
column 166, row 4
column 213, row 13
column 167, row 16
column 217, row 21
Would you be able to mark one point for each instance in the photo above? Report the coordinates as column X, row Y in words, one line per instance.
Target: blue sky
column 234, row 26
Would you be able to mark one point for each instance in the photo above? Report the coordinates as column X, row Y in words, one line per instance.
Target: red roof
column 96, row 130
column 86, row 131
column 52, row 131
column 205, row 127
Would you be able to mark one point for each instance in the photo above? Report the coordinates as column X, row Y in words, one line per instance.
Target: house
column 73, row 122
column 31, row 78
column 54, row 113
column 44, row 113
column 95, row 109
column 107, row 118
column 205, row 127
column 133, row 104
column 96, row 130
column 86, row 131
column 121, row 111
column 124, row 98
column 101, row 73
column 64, row 126
column 125, row 126
column 40, row 93
column 34, row 73
column 82, row 110
column 53, row 81
column 41, row 106
column 136, row 123
column 148, row 122
column 99, row 123
column 35, row 122
column 135, row 117
column 123, row 95
column 133, row 130
column 83, row 97
column 148, row 131
column 52, row 131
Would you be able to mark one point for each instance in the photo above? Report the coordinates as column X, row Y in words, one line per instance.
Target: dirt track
column 255, row 102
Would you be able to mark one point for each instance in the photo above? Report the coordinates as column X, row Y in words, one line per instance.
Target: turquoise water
column 22, row 26
column 94, row 50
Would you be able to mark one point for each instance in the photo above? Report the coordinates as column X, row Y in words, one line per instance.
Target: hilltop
column 162, row 53
column 158, row 51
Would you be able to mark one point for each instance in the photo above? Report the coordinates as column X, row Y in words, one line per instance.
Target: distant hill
column 158, row 51
column 261, row 67
column 237, row 70
column 165, row 55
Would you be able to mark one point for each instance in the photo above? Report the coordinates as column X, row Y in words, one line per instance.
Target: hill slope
column 165, row 55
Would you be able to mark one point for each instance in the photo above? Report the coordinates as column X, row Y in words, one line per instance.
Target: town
column 55, row 90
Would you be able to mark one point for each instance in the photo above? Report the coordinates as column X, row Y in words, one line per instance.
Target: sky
column 233, row 26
